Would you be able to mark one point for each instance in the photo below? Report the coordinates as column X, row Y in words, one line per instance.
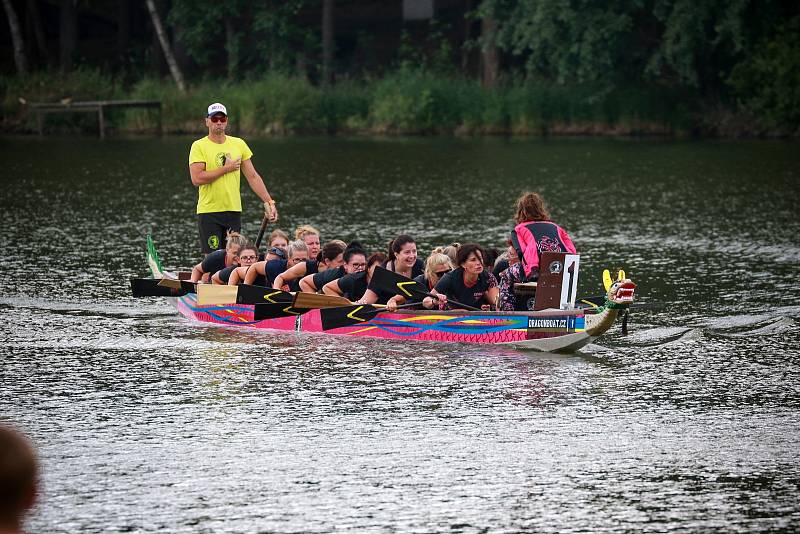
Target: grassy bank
column 404, row 102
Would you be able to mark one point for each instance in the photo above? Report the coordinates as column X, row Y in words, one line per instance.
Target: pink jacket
column 549, row 242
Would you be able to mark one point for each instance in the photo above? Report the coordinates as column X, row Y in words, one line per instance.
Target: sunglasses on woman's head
column 219, row 118
column 278, row 252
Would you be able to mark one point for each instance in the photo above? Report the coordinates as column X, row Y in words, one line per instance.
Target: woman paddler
column 353, row 286
column 402, row 260
column 331, row 257
column 469, row 284
column 234, row 274
column 437, row 265
column 533, row 234
column 219, row 259
column 265, row 271
column 310, row 236
column 355, row 260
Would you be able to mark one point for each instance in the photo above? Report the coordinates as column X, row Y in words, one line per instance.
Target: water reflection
column 149, row 422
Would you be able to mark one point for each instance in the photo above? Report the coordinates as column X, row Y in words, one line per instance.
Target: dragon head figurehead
column 620, row 291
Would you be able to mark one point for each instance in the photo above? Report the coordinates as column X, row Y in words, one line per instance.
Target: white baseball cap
column 216, row 107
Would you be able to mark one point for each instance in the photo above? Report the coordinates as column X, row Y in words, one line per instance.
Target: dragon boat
column 554, row 325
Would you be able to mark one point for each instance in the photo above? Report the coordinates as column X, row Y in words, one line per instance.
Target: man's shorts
column 214, row 226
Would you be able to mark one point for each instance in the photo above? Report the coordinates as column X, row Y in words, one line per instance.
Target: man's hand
column 232, row 164
column 270, row 210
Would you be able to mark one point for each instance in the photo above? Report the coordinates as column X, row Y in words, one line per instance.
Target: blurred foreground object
column 18, row 478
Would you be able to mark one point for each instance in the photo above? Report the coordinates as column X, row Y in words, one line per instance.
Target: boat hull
column 550, row 330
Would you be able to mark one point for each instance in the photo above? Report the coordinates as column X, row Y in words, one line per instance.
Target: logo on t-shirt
column 219, row 159
column 213, row 242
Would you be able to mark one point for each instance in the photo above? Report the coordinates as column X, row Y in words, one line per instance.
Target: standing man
column 215, row 162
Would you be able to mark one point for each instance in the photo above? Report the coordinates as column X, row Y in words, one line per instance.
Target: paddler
column 355, row 260
column 219, row 259
column 331, row 257
column 268, row 270
column 353, row 286
column 402, row 260
column 533, row 234
column 234, row 274
column 215, row 164
column 470, row 283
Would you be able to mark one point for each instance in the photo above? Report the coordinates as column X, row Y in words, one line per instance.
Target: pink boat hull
column 550, row 331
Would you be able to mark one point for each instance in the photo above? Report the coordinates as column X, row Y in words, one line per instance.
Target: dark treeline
column 726, row 67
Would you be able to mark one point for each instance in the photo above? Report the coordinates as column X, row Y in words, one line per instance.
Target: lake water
column 145, row 421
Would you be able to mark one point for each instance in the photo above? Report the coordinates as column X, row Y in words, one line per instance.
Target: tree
column 168, row 55
column 68, row 34
column 768, row 82
column 327, row 41
column 38, row 31
column 20, row 59
column 490, row 59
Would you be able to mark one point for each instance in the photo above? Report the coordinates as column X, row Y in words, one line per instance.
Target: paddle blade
column 315, row 300
column 273, row 311
column 347, row 315
column 261, row 295
column 150, row 287
column 397, row 284
column 186, row 285
column 212, row 294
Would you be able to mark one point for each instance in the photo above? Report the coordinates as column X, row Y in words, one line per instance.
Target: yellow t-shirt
column 223, row 193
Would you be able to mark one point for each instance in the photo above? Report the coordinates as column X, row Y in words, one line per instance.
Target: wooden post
column 101, row 121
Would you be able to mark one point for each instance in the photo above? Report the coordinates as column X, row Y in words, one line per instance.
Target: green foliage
column 81, row 84
column 768, row 83
column 257, row 36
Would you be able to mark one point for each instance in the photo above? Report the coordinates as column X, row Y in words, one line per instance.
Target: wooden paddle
column 213, row 294
column 315, row 300
column 274, row 311
column 259, row 294
column 356, row 314
column 397, row 284
column 154, row 287
column 263, row 229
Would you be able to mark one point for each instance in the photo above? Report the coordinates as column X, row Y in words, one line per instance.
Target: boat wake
column 110, row 309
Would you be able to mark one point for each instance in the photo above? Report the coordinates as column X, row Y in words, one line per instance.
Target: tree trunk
column 38, row 32
column 467, row 36
column 327, row 41
column 20, row 59
column 162, row 38
column 68, row 34
column 490, row 60
column 232, row 47
column 123, row 28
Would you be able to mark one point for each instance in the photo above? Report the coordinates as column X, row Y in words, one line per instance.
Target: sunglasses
column 442, row 273
column 218, row 118
column 278, row 252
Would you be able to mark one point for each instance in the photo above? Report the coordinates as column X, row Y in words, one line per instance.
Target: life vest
column 547, row 240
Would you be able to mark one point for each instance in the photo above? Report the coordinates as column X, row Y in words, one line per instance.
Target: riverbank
column 404, row 102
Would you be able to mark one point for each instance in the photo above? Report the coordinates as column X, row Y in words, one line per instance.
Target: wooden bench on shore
column 42, row 109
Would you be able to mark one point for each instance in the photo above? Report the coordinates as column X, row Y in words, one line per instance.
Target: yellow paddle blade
column 169, row 282
column 315, row 300
column 607, row 279
column 209, row 294
column 621, row 275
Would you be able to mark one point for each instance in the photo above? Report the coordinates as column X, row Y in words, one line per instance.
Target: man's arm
column 256, row 183
column 200, row 176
